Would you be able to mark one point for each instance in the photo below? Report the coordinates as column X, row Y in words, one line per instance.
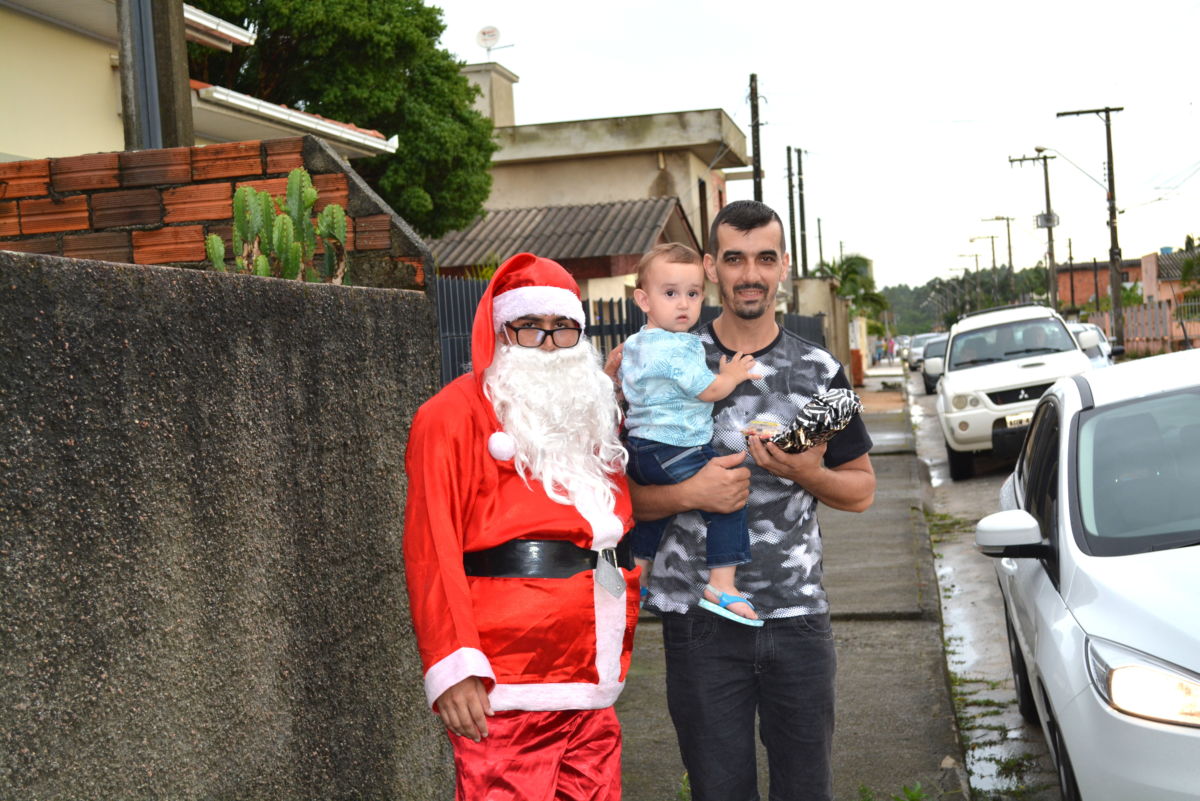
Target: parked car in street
column 1101, row 354
column 916, row 350
column 998, row 363
column 932, row 361
column 1097, row 553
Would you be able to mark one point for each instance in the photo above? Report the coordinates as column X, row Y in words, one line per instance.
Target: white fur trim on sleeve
column 517, row 303
column 454, row 668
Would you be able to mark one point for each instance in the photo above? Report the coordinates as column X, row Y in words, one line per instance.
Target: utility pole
column 791, row 208
column 993, row 238
column 152, row 56
column 754, row 137
column 1012, row 270
column 1071, row 269
column 1047, row 220
column 1114, row 250
column 803, row 232
column 820, row 245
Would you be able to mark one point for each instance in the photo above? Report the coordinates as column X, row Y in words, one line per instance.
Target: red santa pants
column 572, row 755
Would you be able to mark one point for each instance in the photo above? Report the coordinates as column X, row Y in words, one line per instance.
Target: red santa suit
column 538, row 644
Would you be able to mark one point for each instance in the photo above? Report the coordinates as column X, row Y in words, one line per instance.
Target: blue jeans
column 719, row 673
column 728, row 540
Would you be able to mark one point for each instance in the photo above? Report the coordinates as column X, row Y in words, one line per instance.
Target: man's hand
column 795, row 467
column 849, row 486
column 465, row 708
column 721, row 485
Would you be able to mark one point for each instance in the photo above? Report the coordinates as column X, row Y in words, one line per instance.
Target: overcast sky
column 907, row 111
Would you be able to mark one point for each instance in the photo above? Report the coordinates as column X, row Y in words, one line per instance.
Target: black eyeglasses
column 529, row 337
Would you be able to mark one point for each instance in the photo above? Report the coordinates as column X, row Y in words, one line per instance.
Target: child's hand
column 739, row 367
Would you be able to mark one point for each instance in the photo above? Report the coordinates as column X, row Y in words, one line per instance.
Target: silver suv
column 998, row 363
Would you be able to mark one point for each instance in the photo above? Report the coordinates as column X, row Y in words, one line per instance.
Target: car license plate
column 1018, row 420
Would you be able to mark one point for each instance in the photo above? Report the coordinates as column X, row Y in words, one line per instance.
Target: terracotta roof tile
column 625, row 227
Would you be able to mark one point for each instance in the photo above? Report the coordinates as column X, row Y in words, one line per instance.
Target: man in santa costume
column 520, row 587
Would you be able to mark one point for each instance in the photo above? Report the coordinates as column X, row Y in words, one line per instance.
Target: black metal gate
column 609, row 322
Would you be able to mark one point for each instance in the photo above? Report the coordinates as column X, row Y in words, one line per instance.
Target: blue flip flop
column 726, row 601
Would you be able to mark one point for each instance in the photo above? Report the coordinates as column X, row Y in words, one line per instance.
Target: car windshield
column 1000, row 343
column 1138, row 474
column 920, row 339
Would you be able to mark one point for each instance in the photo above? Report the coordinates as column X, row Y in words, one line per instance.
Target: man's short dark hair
column 744, row 215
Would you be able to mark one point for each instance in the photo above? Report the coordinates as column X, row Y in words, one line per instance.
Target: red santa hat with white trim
column 525, row 284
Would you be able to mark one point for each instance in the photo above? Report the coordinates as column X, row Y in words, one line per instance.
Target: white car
column 1101, row 354
column 932, row 360
column 998, row 363
column 1098, row 557
column 916, row 350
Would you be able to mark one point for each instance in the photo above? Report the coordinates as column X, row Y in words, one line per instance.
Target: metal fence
column 608, row 322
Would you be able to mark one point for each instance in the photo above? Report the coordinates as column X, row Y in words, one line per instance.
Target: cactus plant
column 276, row 237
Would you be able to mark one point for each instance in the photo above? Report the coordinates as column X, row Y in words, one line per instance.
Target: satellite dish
column 488, row 36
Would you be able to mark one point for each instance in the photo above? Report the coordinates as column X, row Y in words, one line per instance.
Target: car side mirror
column 1088, row 339
column 1013, row 533
column 935, row 364
column 1118, row 350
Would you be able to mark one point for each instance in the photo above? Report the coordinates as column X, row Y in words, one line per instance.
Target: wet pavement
column 1006, row 758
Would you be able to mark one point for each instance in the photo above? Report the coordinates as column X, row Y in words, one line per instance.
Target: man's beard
column 749, row 312
column 561, row 409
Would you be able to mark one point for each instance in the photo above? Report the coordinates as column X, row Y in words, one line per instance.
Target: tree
column 853, row 275
column 375, row 63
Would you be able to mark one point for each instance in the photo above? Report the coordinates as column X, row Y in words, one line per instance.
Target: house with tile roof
column 597, row 193
column 60, row 87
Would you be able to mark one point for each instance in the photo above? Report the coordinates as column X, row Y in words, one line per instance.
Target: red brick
column 127, row 207
column 231, row 160
column 275, row 187
column 284, row 155
column 373, row 233
column 94, row 171
column 198, row 202
column 171, row 165
column 10, row 219
column 331, row 188
column 24, row 178
column 43, row 216
column 417, row 265
column 46, row 245
column 106, row 246
column 169, row 245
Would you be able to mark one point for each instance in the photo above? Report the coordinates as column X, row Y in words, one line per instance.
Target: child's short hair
column 673, row 252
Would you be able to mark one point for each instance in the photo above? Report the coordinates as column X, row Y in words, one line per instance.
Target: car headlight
column 961, row 402
column 1138, row 684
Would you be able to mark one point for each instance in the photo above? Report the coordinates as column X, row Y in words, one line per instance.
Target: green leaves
column 376, row 65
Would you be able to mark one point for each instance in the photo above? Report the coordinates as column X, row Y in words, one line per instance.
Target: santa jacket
column 537, row 643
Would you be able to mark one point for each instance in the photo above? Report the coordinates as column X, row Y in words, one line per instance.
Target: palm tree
column 854, row 282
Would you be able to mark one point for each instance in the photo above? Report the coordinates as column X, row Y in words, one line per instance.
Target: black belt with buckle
column 542, row 559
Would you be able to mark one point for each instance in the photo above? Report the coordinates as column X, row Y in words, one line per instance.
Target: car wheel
column 1068, row 788
column 1025, row 701
column 962, row 464
column 930, row 386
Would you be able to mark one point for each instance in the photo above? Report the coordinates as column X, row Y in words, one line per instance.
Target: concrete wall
column 201, row 501
column 59, row 106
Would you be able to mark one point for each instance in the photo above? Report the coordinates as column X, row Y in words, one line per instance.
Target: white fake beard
column 561, row 409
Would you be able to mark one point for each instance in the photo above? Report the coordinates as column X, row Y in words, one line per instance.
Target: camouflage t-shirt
column 784, row 577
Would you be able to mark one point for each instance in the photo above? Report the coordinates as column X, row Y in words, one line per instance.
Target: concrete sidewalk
column 895, row 723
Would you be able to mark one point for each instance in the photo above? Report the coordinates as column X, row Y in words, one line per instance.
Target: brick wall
column 157, row 206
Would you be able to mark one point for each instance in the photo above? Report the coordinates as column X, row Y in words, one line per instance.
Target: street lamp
column 1012, row 270
column 993, row 238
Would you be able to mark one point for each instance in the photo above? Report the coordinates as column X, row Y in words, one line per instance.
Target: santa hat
column 525, row 284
